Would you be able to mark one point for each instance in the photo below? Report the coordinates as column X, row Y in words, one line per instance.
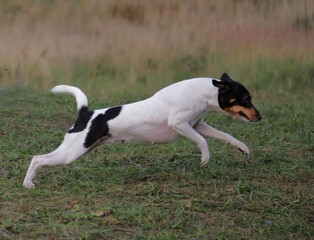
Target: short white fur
column 176, row 110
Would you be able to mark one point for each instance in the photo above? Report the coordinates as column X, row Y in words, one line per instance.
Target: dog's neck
column 212, row 99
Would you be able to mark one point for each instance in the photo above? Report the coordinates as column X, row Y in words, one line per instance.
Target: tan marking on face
column 250, row 113
column 232, row 100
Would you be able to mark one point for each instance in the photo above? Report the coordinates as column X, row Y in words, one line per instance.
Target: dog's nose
column 259, row 117
column 256, row 118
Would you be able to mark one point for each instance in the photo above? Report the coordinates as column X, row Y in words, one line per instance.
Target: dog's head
column 235, row 99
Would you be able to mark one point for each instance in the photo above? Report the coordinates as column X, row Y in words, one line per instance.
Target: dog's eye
column 247, row 99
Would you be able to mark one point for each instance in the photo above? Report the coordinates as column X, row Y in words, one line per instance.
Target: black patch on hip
column 99, row 127
column 82, row 120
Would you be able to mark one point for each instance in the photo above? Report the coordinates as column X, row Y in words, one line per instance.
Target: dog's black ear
column 225, row 78
column 223, row 86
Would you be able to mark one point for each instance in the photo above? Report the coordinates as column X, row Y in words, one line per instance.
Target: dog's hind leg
column 62, row 155
column 207, row 131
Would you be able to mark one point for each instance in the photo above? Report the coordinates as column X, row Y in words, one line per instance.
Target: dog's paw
column 204, row 161
column 243, row 148
column 28, row 184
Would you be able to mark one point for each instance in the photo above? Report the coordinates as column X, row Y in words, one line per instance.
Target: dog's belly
column 157, row 133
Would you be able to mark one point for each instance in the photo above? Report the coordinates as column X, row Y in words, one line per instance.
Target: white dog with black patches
column 175, row 111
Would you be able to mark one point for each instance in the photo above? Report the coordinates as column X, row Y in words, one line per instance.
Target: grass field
column 126, row 191
column 130, row 191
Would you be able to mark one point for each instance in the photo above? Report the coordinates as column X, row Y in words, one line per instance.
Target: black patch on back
column 83, row 109
column 82, row 120
column 99, row 127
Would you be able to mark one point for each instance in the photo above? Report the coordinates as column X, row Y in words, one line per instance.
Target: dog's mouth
column 244, row 117
column 246, row 114
column 257, row 117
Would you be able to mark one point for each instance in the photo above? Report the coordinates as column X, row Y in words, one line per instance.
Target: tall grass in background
column 135, row 47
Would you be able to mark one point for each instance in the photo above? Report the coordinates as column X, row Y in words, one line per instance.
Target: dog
column 174, row 111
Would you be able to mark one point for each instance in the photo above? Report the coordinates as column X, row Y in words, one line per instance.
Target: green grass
column 130, row 191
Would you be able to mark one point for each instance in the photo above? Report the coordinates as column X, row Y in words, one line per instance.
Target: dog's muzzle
column 253, row 117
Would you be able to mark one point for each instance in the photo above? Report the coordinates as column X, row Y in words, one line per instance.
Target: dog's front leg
column 208, row 131
column 187, row 131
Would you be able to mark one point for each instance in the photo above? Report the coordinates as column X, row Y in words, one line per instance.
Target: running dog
column 174, row 111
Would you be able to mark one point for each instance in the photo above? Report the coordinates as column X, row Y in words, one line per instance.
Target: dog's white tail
column 80, row 97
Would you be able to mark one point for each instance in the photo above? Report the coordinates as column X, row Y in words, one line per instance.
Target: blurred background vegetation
column 128, row 47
